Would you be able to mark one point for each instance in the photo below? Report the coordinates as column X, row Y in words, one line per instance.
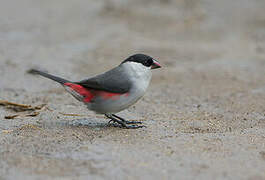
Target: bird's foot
column 133, row 122
column 110, row 121
column 125, row 124
column 133, row 126
column 125, row 121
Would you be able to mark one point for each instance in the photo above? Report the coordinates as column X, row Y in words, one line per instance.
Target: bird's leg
column 123, row 124
column 125, row 121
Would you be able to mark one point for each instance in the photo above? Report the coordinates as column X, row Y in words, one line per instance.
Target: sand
column 204, row 110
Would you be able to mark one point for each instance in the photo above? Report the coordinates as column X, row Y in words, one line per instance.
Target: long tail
column 52, row 77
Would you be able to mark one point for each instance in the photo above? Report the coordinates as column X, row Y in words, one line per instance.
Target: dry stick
column 11, row 116
column 5, row 103
column 22, row 115
column 23, row 107
column 29, row 107
column 33, row 114
column 23, row 127
column 68, row 114
column 7, row 131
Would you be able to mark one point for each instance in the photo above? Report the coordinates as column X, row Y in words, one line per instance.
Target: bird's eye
column 148, row 62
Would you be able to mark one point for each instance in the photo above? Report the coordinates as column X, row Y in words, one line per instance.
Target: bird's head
column 144, row 60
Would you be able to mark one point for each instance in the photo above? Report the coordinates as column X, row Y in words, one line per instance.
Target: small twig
column 5, row 103
column 66, row 114
column 7, row 131
column 11, row 116
column 22, row 115
column 21, row 107
column 33, row 114
column 23, row 127
column 31, row 126
column 40, row 107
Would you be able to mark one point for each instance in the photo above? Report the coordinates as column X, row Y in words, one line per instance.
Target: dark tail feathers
column 55, row 78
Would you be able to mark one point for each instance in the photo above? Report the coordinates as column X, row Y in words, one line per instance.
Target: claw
column 122, row 123
column 110, row 121
column 133, row 127
column 127, row 126
column 133, row 122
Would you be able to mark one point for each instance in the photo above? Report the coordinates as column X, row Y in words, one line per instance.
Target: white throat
column 139, row 75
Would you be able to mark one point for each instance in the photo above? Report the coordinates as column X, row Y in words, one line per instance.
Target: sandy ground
column 205, row 109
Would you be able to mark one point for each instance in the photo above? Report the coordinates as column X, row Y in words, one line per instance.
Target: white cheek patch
column 138, row 66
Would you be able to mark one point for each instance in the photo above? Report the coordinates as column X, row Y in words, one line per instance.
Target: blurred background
column 86, row 34
column 204, row 109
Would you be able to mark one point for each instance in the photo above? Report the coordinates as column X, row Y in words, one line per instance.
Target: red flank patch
column 89, row 94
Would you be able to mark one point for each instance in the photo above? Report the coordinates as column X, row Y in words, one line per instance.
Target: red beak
column 155, row 64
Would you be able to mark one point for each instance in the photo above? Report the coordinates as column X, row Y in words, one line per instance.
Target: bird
column 113, row 91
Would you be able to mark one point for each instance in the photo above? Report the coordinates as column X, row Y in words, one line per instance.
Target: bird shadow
column 83, row 122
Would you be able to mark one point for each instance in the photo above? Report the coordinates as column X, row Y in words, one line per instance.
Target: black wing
column 115, row 81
